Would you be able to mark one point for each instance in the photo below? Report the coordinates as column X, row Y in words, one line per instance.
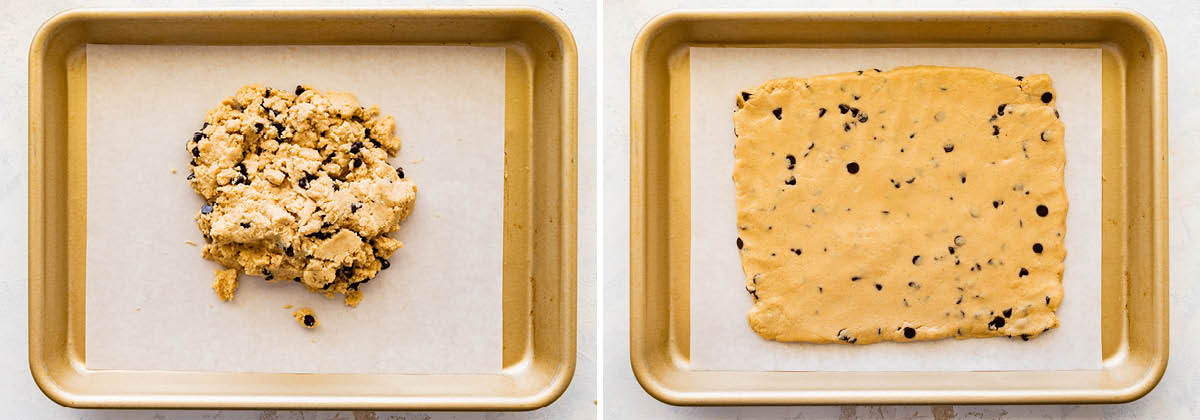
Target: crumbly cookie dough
column 297, row 188
column 306, row 318
column 914, row 204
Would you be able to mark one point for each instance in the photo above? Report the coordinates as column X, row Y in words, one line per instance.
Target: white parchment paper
column 149, row 302
column 721, row 338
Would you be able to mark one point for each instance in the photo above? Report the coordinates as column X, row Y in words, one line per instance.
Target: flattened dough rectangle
column 915, row 204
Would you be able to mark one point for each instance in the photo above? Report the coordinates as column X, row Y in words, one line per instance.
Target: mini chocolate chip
column 1037, row 248
column 855, row 278
column 195, row 152
column 206, row 209
column 791, row 160
column 997, row 323
column 355, row 206
column 1042, row 210
column 376, row 143
column 790, row 181
column 204, row 126
column 912, row 284
column 352, row 286
column 246, row 225
column 909, row 332
column 843, row 108
column 846, row 127
column 299, row 90
column 798, row 251
column 853, row 112
column 191, row 176
column 309, row 321
column 916, row 259
column 820, row 112
column 384, row 264
column 995, row 204
column 778, row 113
column 400, row 172
column 1007, row 313
column 296, row 279
column 1019, row 78
column 291, row 252
column 745, row 96
column 862, row 118
column 948, row 148
column 1000, row 109
column 258, row 127
column 951, row 250
column 878, row 286
column 326, row 286
column 740, row 243
column 367, row 133
column 1047, row 97
column 852, row 167
column 964, row 178
column 1047, row 300
column 197, row 136
column 354, row 164
column 856, row 97
column 1023, row 273
column 303, row 182
column 1044, row 136
column 995, row 130
column 278, row 128
column 1025, row 337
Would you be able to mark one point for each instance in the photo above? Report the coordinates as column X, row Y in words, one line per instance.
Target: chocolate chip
column 843, row 108
column 1019, row 78
column 995, row 130
column 206, row 209
column 740, row 243
column 1000, row 109
column 299, row 90
column 326, row 286
column 1037, row 248
column 355, row 206
column 951, row 250
column 258, row 127
column 745, row 96
column 791, row 160
column 1042, row 210
column 296, row 279
column 798, row 251
column 995, row 204
column 820, row 112
column 195, row 152
column 948, row 148
column 384, row 264
column 853, row 112
column 778, row 113
column 291, row 252
column 855, row 278
column 354, row 164
column 1047, row 97
column 916, row 259
column 320, row 235
column 1023, row 273
column 197, row 136
column 204, row 126
column 245, row 225
column 909, row 333
column 790, row 181
column 862, row 118
column 852, row 167
column 878, row 286
column 1007, row 313
column 367, row 133
column 997, row 323
column 400, row 172
column 354, row 148
column 376, row 143
column 309, row 321
column 1047, row 300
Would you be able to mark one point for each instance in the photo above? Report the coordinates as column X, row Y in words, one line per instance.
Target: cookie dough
column 306, row 318
column 297, row 188
column 915, row 204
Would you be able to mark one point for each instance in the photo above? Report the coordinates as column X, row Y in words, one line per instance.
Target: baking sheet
column 721, row 338
column 149, row 302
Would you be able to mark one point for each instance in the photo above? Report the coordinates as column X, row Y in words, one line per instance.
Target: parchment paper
column 149, row 302
column 721, row 338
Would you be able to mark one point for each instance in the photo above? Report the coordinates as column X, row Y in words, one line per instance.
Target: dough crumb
column 192, row 243
column 225, row 284
column 287, row 306
column 306, row 318
column 172, row 171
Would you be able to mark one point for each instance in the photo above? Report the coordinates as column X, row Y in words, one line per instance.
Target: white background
column 1174, row 398
column 21, row 399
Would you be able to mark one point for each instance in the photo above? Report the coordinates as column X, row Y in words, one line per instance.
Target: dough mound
column 919, row 203
column 298, row 188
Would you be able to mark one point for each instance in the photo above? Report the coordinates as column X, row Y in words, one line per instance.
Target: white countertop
column 1173, row 398
column 21, row 399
